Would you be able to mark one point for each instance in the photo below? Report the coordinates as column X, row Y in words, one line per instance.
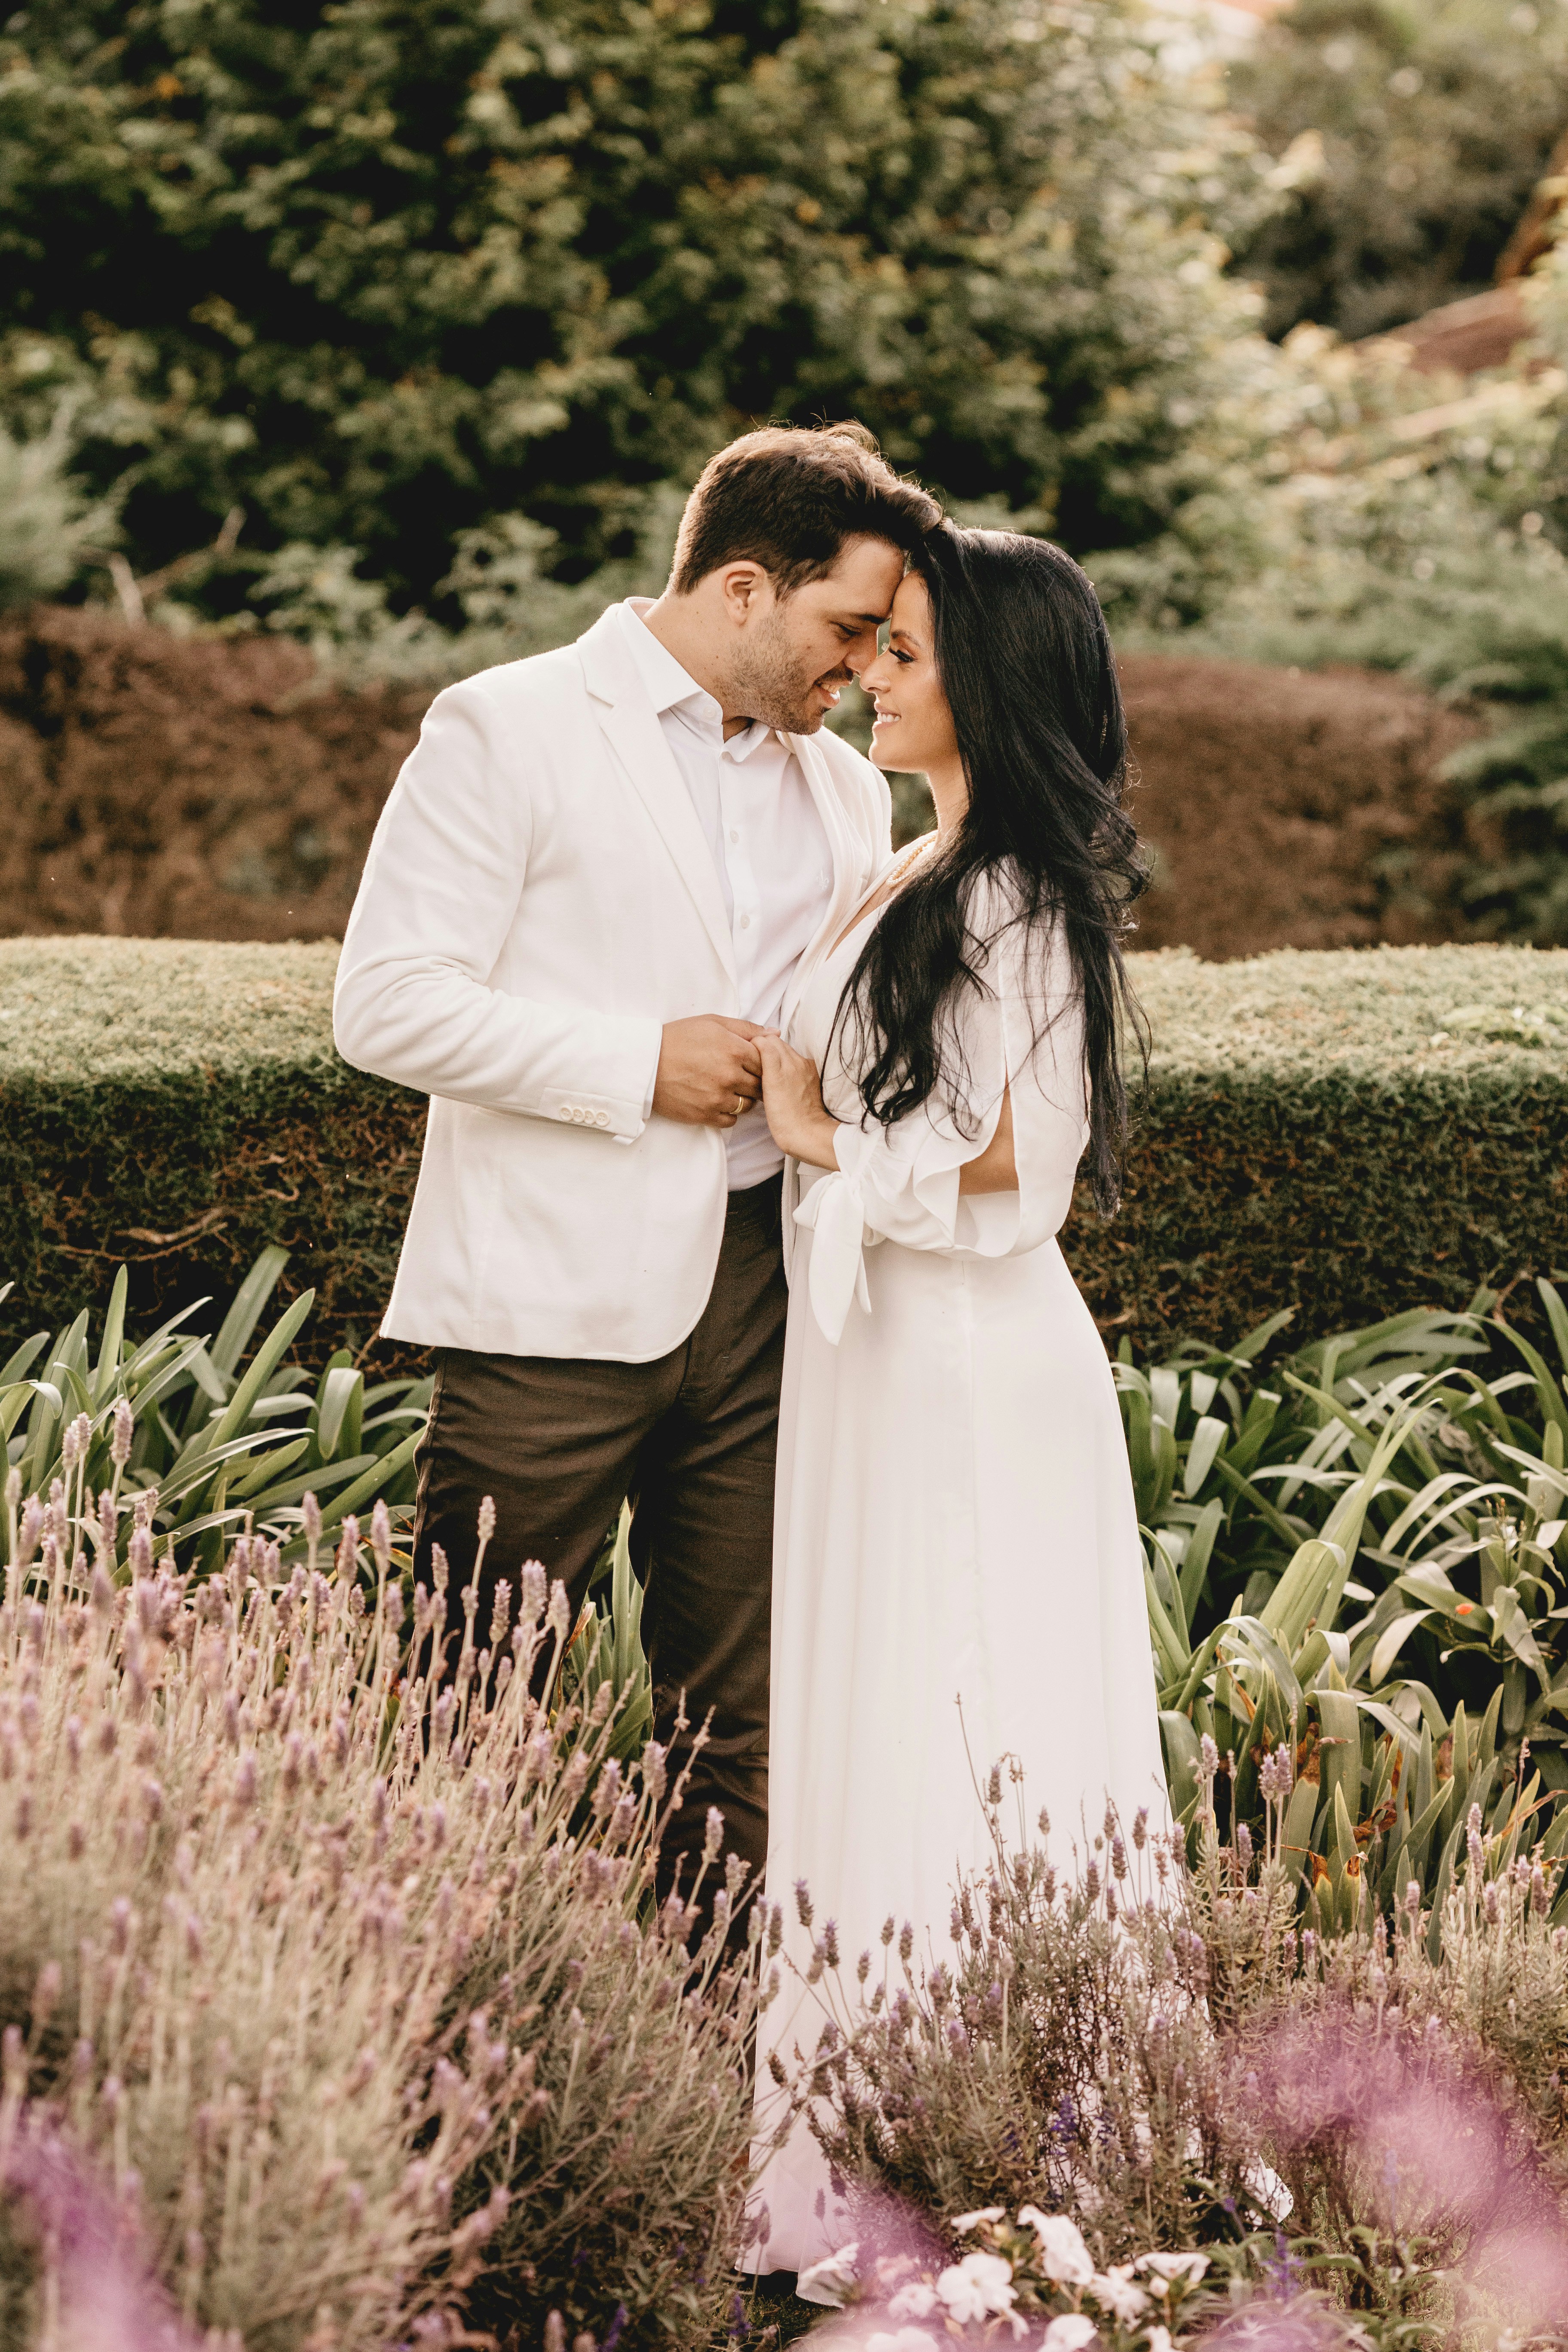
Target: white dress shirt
column 769, row 848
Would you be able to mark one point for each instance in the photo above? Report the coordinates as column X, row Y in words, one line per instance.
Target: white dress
column 955, row 1521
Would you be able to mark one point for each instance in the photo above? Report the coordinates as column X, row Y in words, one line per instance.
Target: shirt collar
column 666, row 682
column 670, row 687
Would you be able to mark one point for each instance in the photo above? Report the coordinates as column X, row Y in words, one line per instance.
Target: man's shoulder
column 536, row 679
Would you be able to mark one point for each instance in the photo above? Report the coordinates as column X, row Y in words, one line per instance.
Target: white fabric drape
column 957, row 1573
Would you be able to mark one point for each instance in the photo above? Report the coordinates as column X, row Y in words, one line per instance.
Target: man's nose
column 861, row 653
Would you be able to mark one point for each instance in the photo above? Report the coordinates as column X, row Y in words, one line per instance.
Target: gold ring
column 739, row 1105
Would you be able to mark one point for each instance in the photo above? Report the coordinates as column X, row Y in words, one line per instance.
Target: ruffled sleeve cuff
column 899, row 1186
column 833, row 1214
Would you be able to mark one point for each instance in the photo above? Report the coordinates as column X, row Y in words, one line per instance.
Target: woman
column 957, row 1570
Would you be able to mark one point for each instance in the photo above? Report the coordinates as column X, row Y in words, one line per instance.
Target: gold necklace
column 889, row 889
column 916, row 851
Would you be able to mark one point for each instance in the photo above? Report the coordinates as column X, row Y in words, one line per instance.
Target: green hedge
column 1309, row 1137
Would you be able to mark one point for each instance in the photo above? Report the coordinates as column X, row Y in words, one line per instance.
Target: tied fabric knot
column 833, row 1214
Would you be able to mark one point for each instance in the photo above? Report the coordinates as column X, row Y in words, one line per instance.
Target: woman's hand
column 792, row 1098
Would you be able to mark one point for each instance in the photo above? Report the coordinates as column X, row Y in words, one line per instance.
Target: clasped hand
column 710, row 1070
column 713, row 1067
column 792, row 1097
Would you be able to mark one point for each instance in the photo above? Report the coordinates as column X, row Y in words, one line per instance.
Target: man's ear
column 746, row 590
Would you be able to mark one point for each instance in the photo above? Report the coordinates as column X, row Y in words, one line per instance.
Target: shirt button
column 746, row 922
column 734, row 832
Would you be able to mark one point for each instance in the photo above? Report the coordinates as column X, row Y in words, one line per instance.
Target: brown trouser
column 690, row 1438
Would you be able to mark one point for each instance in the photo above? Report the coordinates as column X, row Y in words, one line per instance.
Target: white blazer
column 538, row 899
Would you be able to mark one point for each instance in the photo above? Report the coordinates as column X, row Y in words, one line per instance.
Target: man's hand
column 710, row 1070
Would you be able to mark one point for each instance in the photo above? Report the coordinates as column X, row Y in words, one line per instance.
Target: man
column 597, row 879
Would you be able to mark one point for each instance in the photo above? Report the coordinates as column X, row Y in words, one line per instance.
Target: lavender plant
column 340, row 1954
column 1404, row 2076
column 1059, row 2059
column 1353, row 2139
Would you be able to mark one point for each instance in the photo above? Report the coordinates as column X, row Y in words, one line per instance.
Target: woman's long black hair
column 1025, row 662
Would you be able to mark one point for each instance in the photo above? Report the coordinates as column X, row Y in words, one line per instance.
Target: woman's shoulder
column 998, row 899
column 1016, row 933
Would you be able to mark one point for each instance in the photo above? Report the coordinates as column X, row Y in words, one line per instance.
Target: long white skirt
column 955, row 1530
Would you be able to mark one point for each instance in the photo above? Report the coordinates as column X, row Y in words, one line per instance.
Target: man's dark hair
column 788, row 497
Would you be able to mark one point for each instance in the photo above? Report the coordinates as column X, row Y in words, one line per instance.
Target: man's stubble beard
column 772, row 685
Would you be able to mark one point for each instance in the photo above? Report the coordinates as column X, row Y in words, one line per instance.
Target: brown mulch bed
column 197, row 789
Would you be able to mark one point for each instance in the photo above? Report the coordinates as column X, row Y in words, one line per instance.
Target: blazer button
column 600, row 1118
column 565, row 1111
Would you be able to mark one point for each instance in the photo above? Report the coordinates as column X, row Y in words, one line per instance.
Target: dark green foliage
column 1428, row 1449
column 220, row 1448
column 388, row 273
column 179, row 1106
column 1304, row 1143
column 1436, row 120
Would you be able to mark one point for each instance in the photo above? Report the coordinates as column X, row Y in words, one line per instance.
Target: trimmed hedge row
column 1350, row 1132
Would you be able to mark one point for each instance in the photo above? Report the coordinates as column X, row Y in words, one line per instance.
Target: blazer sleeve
column 1022, row 1031
column 439, row 894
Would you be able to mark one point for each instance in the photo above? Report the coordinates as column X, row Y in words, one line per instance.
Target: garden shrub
column 1405, row 2076
column 1055, row 2056
column 1396, row 522
column 178, row 787
column 343, row 1964
column 408, row 286
column 1433, row 122
column 177, row 1107
column 1352, row 1133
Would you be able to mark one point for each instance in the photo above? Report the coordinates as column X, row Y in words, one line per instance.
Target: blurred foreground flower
column 91, row 2283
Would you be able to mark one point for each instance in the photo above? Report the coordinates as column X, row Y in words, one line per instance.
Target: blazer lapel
column 631, row 726
column 851, row 868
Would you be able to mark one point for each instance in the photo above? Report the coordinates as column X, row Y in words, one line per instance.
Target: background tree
column 419, row 276
column 1435, row 122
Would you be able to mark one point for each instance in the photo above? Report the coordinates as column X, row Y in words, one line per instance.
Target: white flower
column 1116, row 2291
column 1063, row 2254
column 912, row 2302
column 1158, row 2339
column 1071, row 2332
column 1169, row 2267
column 1269, row 2189
column 979, row 2287
column 832, row 2279
column 908, row 2340
column 967, row 2221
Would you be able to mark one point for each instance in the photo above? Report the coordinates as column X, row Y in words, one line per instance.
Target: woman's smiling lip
column 885, row 718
